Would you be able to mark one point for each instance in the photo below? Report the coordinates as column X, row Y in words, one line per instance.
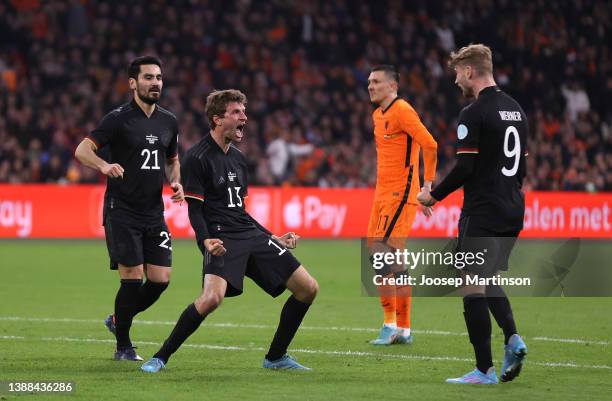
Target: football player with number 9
column 491, row 150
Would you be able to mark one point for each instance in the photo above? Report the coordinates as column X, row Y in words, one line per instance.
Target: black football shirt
column 220, row 180
column 494, row 129
column 141, row 145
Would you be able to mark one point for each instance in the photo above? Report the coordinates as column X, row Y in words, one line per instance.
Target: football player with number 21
column 142, row 139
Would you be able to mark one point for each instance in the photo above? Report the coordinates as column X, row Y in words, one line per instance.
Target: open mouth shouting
column 240, row 130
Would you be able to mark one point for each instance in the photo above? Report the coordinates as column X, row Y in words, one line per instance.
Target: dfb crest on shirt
column 151, row 139
column 231, row 176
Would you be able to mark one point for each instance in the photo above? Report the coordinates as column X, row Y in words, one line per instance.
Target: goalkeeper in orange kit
column 399, row 135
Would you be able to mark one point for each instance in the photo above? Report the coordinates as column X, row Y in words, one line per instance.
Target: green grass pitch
column 55, row 295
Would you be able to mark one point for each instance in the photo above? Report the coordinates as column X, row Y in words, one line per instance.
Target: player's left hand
column 425, row 198
column 178, row 195
column 288, row 240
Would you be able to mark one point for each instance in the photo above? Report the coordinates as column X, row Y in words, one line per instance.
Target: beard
column 232, row 136
column 148, row 97
column 467, row 92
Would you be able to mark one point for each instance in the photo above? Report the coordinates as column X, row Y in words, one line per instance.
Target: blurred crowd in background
column 304, row 67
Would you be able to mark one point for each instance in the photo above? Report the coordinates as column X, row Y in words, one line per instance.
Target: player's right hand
column 427, row 210
column 112, row 170
column 214, row 246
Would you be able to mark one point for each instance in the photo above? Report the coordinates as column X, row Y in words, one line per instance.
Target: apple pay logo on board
column 462, row 131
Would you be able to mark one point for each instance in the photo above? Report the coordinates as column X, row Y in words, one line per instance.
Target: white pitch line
column 321, row 328
column 310, row 351
column 569, row 340
column 105, row 340
column 12, row 338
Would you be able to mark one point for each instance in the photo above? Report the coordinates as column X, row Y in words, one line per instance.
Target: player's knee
column 213, row 301
column 158, row 274
column 163, row 276
column 308, row 291
column 314, row 288
column 208, row 302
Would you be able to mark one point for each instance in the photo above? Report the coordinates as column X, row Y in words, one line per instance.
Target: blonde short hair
column 477, row 56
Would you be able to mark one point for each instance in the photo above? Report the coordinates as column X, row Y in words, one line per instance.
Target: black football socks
column 148, row 294
column 500, row 308
column 290, row 319
column 188, row 322
column 125, row 300
column 478, row 324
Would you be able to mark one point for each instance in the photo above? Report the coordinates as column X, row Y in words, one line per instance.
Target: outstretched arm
column 454, row 180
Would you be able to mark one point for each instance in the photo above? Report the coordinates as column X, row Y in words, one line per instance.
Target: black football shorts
column 133, row 243
column 259, row 257
column 494, row 247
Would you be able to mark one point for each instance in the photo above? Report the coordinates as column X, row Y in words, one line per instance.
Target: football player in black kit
column 142, row 140
column 234, row 245
column 492, row 145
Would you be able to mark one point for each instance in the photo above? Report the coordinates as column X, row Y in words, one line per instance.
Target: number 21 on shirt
column 147, row 154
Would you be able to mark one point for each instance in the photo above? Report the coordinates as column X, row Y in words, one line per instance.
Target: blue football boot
column 109, row 322
column 476, row 377
column 284, row 362
column 153, row 365
column 514, row 354
column 386, row 336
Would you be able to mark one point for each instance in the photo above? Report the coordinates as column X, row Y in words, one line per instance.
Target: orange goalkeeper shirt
column 400, row 135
